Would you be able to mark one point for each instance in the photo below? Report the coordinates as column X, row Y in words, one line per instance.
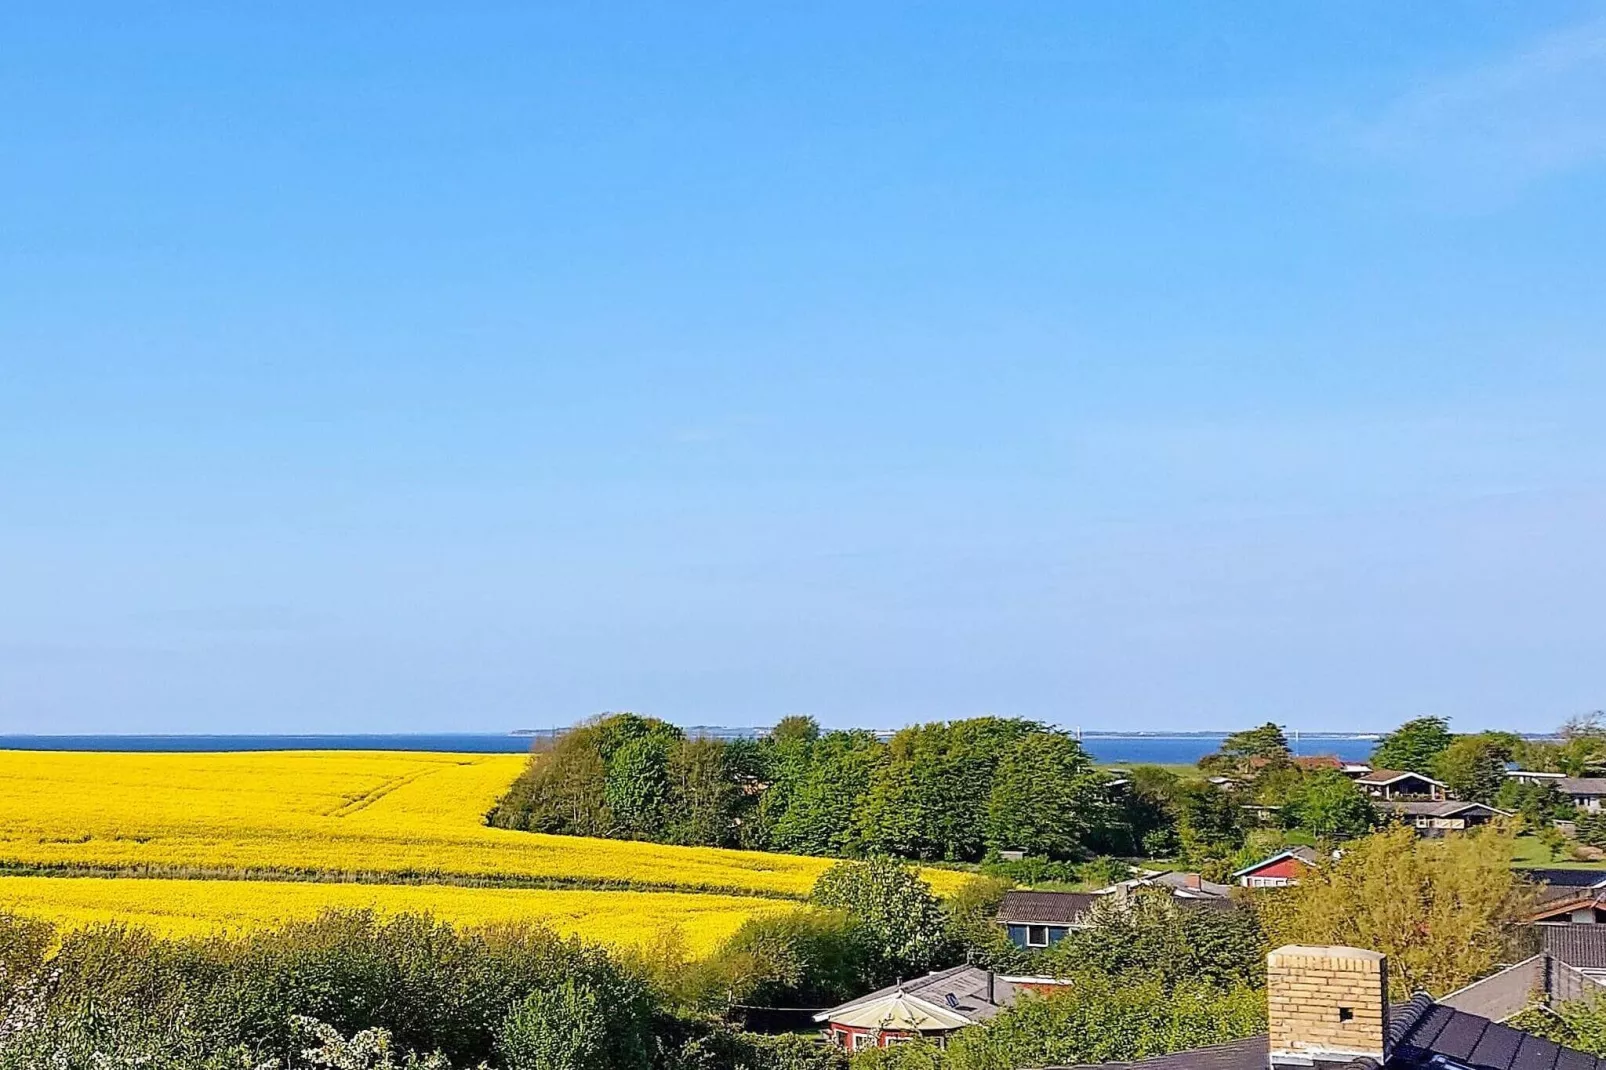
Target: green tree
column 802, row 958
column 901, row 916
column 830, row 783
column 1101, row 1018
column 562, row 1028
column 1046, row 798
column 1149, row 806
column 1579, row 1024
column 1414, row 747
column 1442, row 910
column 1474, row 767
column 1148, row 934
column 930, row 799
column 1249, row 751
column 1537, row 801
column 637, row 787
column 703, row 795
column 1582, row 750
column 1330, row 805
column 1209, row 821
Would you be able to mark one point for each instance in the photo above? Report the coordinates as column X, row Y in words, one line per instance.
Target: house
column 933, row 1007
column 1328, row 1010
column 1586, row 793
column 1436, row 818
column 1042, row 919
column 1280, row 870
column 1397, row 784
column 1038, row 920
column 1314, row 763
column 1583, row 947
column 1568, row 897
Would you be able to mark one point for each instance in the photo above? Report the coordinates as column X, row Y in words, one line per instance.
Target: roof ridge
column 1411, row 1012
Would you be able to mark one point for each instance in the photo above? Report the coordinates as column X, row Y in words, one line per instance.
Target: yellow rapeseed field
column 338, row 811
column 195, row 907
column 335, row 812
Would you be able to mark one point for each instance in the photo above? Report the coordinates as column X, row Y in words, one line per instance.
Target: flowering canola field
column 199, row 907
column 336, row 812
column 411, row 825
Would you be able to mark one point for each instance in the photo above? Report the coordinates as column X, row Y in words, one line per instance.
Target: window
column 1037, row 936
column 840, row 1036
column 1346, row 1014
column 862, row 1040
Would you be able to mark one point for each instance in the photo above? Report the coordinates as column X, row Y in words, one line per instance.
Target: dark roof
column 1437, row 1033
column 1581, row 785
column 1045, row 908
column 967, row 984
column 1247, row 1054
column 1582, row 947
column 1566, row 878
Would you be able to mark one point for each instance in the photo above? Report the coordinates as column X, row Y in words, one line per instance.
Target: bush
column 1591, row 827
column 426, row 986
column 901, row 917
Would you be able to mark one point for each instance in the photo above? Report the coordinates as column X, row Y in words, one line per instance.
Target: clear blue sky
column 425, row 367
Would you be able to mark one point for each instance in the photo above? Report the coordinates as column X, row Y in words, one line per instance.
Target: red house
column 1278, row 871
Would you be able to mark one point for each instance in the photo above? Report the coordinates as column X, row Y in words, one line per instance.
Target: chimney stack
column 1326, row 1003
column 1192, row 880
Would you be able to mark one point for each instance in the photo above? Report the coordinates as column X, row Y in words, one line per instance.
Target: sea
column 1108, row 748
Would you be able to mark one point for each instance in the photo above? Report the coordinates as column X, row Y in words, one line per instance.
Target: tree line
column 950, row 791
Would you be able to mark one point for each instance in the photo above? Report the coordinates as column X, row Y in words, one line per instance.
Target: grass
column 1529, row 852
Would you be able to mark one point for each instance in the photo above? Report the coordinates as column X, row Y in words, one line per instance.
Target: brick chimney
column 1192, row 880
column 1326, row 1003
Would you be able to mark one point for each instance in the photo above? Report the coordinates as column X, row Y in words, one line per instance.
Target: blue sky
column 1122, row 365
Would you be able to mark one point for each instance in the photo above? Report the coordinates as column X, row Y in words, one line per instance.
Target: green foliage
column 1474, row 767
column 1034, row 872
column 1442, row 910
column 930, row 800
column 404, row 985
column 1046, row 797
column 1249, row 751
column 1414, row 747
column 826, row 781
column 1149, row 810
column 559, row 1028
column 901, row 916
column 1209, row 822
column 1578, row 1024
column 704, row 799
column 1150, row 935
column 1537, row 801
column 935, row 791
column 1329, row 805
column 1591, row 826
column 1100, row 1018
column 805, row 958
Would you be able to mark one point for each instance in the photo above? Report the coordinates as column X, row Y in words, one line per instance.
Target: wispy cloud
column 1488, row 131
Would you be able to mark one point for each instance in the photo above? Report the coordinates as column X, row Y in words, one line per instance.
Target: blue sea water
column 1131, row 750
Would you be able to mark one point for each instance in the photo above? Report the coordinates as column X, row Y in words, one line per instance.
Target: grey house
column 1041, row 919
